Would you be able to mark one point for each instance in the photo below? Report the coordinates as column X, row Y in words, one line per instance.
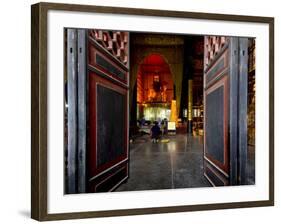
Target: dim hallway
column 176, row 164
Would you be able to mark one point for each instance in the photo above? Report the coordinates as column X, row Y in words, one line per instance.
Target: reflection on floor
column 176, row 164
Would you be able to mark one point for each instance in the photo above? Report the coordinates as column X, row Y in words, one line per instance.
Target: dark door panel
column 107, row 153
column 225, row 109
column 108, row 134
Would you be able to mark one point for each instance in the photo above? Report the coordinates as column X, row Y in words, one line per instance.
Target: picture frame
column 40, row 84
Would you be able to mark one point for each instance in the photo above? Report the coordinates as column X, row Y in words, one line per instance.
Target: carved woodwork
column 115, row 42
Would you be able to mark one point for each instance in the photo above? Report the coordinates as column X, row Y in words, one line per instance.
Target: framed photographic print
column 138, row 111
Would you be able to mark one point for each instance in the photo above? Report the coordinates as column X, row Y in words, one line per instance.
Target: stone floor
column 176, row 164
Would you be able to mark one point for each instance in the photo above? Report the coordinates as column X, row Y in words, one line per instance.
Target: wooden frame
column 39, row 110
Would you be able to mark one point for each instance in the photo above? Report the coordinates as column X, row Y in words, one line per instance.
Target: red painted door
column 107, row 165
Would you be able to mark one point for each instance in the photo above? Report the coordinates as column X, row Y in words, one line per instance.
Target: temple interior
column 177, row 86
column 169, row 81
column 167, row 88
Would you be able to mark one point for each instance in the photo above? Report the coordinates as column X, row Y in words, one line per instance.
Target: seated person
column 155, row 132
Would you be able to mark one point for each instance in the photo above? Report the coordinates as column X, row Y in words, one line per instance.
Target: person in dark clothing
column 155, row 132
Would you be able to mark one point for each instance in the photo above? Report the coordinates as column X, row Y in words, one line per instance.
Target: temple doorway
column 167, row 74
column 151, row 111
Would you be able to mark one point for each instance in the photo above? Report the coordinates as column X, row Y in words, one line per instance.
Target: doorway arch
column 173, row 56
column 154, row 88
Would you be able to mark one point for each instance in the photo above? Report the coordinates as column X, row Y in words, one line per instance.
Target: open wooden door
column 108, row 82
column 225, row 106
column 96, row 110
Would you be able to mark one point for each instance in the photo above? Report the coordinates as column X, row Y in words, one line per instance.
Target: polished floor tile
column 176, row 164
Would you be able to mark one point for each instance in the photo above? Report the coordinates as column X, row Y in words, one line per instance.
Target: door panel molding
column 108, row 169
column 216, row 166
column 219, row 67
column 102, row 177
column 216, row 178
column 108, row 67
column 94, row 81
column 221, row 83
column 112, row 175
